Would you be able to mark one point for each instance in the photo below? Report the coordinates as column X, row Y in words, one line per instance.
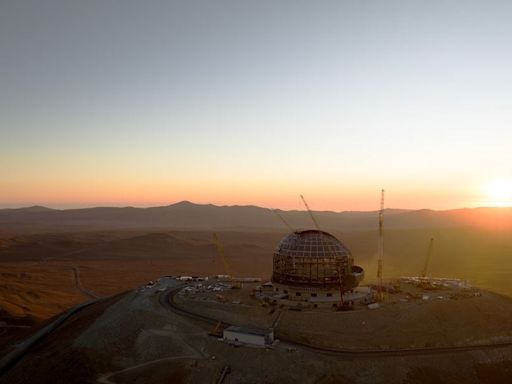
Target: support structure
column 227, row 269
column 220, row 251
column 380, row 251
column 312, row 266
column 340, row 282
column 283, row 220
column 427, row 259
column 310, row 213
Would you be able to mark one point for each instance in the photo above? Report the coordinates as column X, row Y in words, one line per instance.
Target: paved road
column 105, row 378
column 9, row 360
column 167, row 300
column 4, row 327
column 80, row 287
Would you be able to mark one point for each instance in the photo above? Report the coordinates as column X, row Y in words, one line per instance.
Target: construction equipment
column 310, row 213
column 223, row 373
column 283, row 220
column 227, row 270
column 380, row 250
column 217, row 330
column 341, row 304
column 427, row 260
column 221, row 298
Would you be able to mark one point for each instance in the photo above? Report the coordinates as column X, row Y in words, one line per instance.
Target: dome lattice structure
column 314, row 258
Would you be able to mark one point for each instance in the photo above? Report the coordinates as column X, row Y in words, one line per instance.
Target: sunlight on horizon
column 231, row 103
column 498, row 193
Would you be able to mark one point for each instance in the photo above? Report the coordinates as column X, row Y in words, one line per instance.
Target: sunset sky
column 255, row 102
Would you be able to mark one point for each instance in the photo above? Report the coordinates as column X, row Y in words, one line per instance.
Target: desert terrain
column 133, row 338
column 51, row 260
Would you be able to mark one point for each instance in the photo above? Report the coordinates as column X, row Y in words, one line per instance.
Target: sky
column 255, row 102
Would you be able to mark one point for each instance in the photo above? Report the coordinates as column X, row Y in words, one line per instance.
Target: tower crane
column 380, row 251
column 427, row 259
column 283, row 220
column 227, row 269
column 310, row 213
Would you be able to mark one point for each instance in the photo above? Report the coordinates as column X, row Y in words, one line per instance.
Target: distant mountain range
column 190, row 216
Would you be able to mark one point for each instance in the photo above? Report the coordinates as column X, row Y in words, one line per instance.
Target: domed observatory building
column 314, row 266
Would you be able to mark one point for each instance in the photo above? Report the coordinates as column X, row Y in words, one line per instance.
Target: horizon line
column 92, row 206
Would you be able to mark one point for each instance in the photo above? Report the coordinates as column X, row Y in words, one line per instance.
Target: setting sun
column 499, row 193
column 156, row 158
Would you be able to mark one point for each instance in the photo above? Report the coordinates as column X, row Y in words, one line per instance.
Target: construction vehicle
column 227, row 270
column 226, row 370
column 217, row 330
column 221, row 298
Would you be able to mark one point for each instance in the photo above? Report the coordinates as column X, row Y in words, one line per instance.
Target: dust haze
column 117, row 249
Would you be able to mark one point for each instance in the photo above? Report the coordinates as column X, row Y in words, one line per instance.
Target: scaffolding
column 313, row 258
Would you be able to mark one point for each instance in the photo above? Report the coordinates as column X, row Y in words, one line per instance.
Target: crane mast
column 310, row 213
column 227, row 270
column 380, row 251
column 283, row 220
column 427, row 260
column 220, row 251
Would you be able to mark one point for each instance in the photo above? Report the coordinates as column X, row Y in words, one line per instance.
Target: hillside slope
column 186, row 215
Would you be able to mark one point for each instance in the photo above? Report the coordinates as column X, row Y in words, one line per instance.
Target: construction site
column 316, row 297
column 315, row 315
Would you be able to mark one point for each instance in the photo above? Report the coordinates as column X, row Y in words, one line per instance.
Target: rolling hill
column 190, row 216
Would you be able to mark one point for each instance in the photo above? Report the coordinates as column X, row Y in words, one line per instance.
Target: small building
column 250, row 336
column 247, row 279
column 200, row 278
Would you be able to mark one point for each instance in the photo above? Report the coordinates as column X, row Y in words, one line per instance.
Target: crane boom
column 220, row 251
column 381, row 238
column 310, row 213
column 427, row 260
column 283, row 220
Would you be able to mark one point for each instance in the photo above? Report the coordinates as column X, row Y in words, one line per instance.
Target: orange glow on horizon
column 350, row 198
column 498, row 193
column 85, row 190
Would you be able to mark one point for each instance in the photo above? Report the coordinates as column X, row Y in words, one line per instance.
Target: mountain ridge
column 188, row 215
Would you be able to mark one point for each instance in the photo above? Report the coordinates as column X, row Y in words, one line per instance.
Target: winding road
column 21, row 348
column 105, row 378
column 167, row 300
column 80, row 287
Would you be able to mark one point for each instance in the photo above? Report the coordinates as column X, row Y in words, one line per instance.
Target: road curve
column 9, row 360
column 166, row 299
column 80, row 287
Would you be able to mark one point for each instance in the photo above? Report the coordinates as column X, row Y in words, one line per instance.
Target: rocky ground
column 132, row 338
column 450, row 317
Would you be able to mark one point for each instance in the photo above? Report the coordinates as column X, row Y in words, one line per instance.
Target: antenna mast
column 427, row 260
column 381, row 241
column 220, row 251
column 310, row 213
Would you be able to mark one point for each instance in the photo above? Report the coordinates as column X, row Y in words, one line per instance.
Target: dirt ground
column 134, row 339
column 451, row 317
column 36, row 277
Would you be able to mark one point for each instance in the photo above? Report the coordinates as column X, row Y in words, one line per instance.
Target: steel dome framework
column 313, row 258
